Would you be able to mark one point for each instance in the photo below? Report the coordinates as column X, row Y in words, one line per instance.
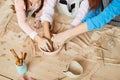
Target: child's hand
column 59, row 39
column 43, row 43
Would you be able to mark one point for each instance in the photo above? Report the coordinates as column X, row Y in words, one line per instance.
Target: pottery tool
column 16, row 58
column 24, row 56
column 13, row 51
column 15, row 55
column 19, row 61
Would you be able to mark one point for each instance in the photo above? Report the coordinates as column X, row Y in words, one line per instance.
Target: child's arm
column 46, row 25
column 46, row 18
column 21, row 17
column 82, row 12
column 97, row 22
column 23, row 23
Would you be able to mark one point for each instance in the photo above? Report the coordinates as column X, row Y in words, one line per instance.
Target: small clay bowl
column 52, row 53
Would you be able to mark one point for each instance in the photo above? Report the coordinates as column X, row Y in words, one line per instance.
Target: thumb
column 52, row 38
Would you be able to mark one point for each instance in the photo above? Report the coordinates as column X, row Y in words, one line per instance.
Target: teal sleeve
column 109, row 13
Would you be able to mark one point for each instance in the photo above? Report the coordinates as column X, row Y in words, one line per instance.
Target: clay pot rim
column 52, row 53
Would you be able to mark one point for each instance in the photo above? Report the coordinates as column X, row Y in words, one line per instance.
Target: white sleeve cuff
column 33, row 34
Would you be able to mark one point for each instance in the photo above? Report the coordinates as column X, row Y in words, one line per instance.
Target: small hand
column 43, row 43
column 59, row 39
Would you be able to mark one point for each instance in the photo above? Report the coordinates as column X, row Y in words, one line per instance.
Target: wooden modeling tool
column 19, row 61
column 25, row 54
column 15, row 55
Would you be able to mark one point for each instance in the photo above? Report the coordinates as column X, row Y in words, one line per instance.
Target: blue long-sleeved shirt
column 109, row 13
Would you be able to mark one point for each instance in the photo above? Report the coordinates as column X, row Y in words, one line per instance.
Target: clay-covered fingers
column 48, row 46
column 45, row 45
column 55, row 42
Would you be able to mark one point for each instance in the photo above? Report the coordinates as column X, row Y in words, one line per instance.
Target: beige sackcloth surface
column 97, row 51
